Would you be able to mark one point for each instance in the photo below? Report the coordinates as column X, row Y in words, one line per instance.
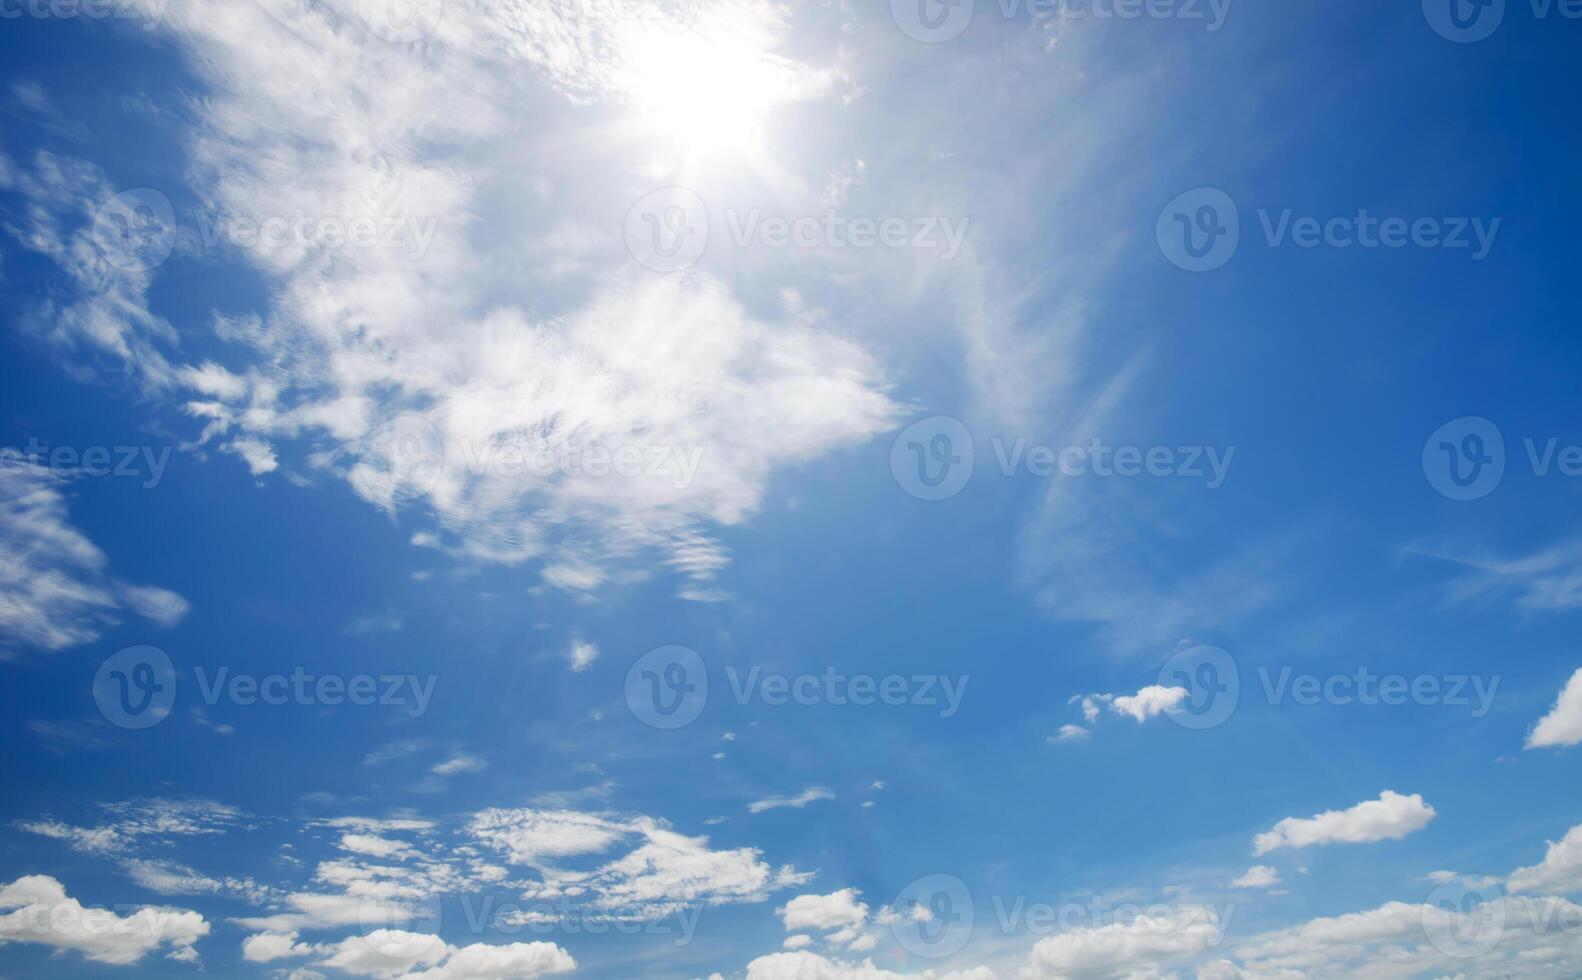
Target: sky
column 768, row 490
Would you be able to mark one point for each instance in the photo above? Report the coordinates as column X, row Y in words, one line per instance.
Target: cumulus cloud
column 839, row 915
column 1390, row 817
column 37, row 910
column 1562, row 726
column 1559, row 873
column 803, row 965
column 392, row 953
column 1123, row 949
column 1150, row 702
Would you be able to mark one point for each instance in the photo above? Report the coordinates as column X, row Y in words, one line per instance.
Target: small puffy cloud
column 1562, row 726
column 1071, row 733
column 1257, row 876
column 266, row 947
column 36, row 909
column 375, row 846
column 1149, row 702
column 1390, row 817
column 581, row 655
column 839, row 913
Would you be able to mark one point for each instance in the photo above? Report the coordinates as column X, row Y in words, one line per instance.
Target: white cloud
column 1150, row 702
column 664, row 871
column 1560, row 872
column 1547, row 581
column 1562, row 726
column 839, row 913
column 375, row 846
column 1390, row 817
column 459, row 763
column 1124, row 949
column 1257, row 876
column 581, row 655
column 810, row 795
column 55, row 587
column 811, row 966
column 37, row 910
column 1071, row 733
column 455, row 335
column 141, row 821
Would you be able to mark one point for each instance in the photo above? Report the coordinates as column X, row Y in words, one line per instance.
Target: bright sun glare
column 703, row 95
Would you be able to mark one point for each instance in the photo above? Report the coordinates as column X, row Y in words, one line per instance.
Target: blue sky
column 769, row 490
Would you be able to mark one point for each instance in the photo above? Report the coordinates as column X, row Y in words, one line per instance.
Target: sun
column 703, row 94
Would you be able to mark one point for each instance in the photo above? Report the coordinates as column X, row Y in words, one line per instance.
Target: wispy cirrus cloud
column 56, row 589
